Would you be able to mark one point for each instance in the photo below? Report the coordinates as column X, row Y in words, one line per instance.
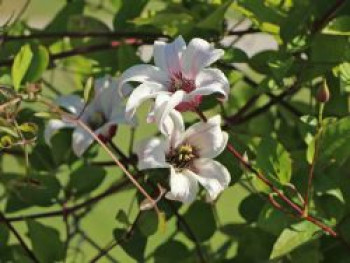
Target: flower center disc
column 178, row 82
column 182, row 156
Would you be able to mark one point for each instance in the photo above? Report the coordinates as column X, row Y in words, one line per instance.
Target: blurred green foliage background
column 277, row 54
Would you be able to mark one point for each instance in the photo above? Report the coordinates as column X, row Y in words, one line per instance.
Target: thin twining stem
column 261, row 177
column 72, row 209
column 19, row 238
column 317, row 141
column 122, row 239
column 73, row 119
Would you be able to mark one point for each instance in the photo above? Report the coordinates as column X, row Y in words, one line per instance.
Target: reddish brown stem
column 299, row 211
column 284, row 198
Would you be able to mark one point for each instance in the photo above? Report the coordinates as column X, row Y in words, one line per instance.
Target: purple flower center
column 179, row 82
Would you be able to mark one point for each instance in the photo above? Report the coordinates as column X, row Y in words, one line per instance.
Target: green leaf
column 339, row 26
column 83, row 23
column 46, row 242
column 37, row 189
column 254, row 244
column 310, row 151
column 251, row 207
column 333, row 206
column 4, row 236
column 133, row 243
column 200, row 219
column 38, row 64
column 272, row 220
column 293, row 237
column 61, row 147
column 274, row 161
column 307, row 127
column 215, row 20
column 43, row 114
column 344, row 74
column 126, row 57
column 162, row 222
column 21, row 65
column 259, row 61
column 29, row 127
column 85, row 179
column 235, row 55
column 148, row 222
column 335, row 143
column 172, row 251
column 308, row 253
column 89, row 90
column 8, row 131
column 122, row 217
column 170, row 23
column 329, row 49
column 61, row 19
column 129, row 10
column 6, row 141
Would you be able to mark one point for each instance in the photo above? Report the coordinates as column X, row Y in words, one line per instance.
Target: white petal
column 212, row 175
column 52, row 127
column 73, row 103
column 211, row 81
column 143, row 73
column 168, row 56
column 163, row 108
column 103, row 83
column 118, row 117
column 81, row 141
column 143, row 92
column 171, row 122
column 207, row 137
column 183, row 186
column 198, row 55
column 173, row 125
column 151, row 154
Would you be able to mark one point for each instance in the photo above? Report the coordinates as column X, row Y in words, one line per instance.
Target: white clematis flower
column 180, row 73
column 189, row 156
column 103, row 114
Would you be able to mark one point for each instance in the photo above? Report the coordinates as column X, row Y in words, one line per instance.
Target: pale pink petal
column 212, row 175
column 210, row 81
column 142, row 93
column 207, row 137
column 168, row 56
column 72, row 103
column 143, row 73
column 165, row 106
column 198, row 55
column 103, row 83
column 151, row 154
column 81, row 141
column 183, row 186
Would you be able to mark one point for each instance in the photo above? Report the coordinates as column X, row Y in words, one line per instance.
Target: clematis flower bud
column 323, row 94
column 101, row 114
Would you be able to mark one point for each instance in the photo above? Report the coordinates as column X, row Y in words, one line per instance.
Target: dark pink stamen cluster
column 179, row 82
